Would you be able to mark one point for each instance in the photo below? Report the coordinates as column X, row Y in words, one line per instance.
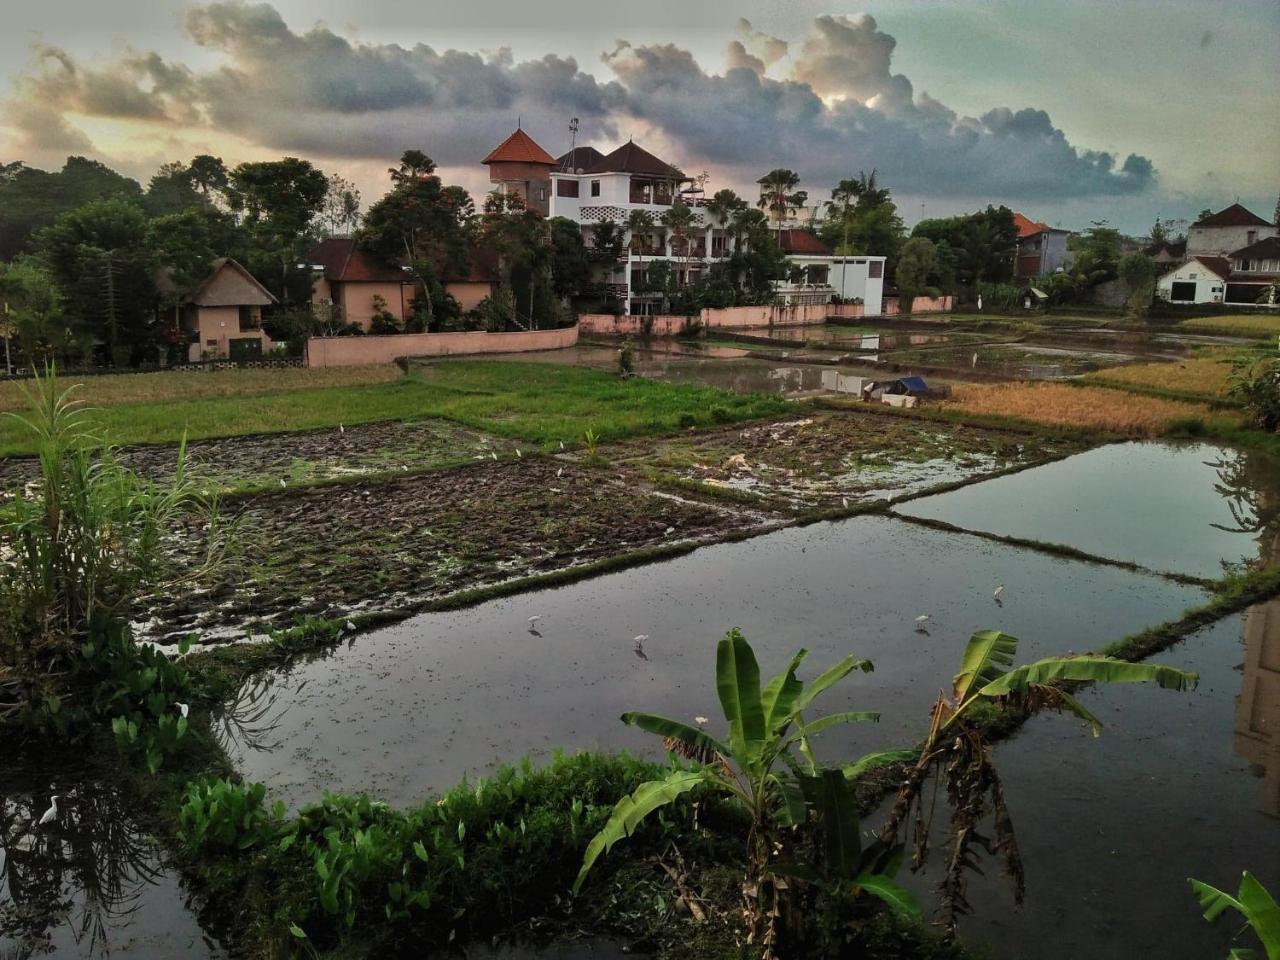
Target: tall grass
column 1240, row 325
column 537, row 402
column 1057, row 404
column 1207, row 376
column 127, row 388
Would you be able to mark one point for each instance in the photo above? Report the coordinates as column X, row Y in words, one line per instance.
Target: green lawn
column 541, row 403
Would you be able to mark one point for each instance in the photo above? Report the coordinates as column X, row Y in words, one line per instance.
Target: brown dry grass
column 1239, row 325
column 1099, row 408
column 116, row 389
column 1208, row 376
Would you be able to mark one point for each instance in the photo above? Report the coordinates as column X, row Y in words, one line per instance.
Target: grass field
column 1238, row 325
column 113, row 389
column 1057, row 404
column 1206, row 376
column 540, row 403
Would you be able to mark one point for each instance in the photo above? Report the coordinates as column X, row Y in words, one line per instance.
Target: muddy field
column 829, row 460
column 260, row 462
column 370, row 547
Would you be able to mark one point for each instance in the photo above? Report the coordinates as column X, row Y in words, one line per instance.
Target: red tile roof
column 632, row 158
column 345, row 262
column 1233, row 216
column 519, row 148
column 1267, row 248
column 802, row 243
column 1028, row 227
column 1219, row 265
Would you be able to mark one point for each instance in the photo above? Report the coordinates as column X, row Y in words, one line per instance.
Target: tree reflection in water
column 85, row 870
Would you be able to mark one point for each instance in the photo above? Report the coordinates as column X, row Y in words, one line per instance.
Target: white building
column 1226, row 231
column 592, row 188
column 1199, row 280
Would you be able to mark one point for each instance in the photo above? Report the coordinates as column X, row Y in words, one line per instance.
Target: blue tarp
column 914, row 384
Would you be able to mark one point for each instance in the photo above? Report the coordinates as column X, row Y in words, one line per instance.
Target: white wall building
column 1199, row 280
column 591, row 188
column 1221, row 233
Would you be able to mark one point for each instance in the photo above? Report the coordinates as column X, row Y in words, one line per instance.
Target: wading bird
column 183, row 709
column 52, row 813
column 921, row 621
column 999, row 591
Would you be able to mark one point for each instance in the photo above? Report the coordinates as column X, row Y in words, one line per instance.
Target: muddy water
column 1022, row 361
column 1179, row 785
column 413, row 708
column 1189, row 507
column 757, row 376
column 90, row 883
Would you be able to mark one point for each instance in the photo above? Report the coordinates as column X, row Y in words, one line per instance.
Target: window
column 1251, row 237
column 566, row 188
column 1182, row 291
column 1246, row 265
column 595, row 188
column 542, row 194
column 247, row 320
column 875, row 268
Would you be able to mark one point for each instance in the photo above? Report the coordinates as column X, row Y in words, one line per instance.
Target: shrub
column 1257, row 385
column 626, row 359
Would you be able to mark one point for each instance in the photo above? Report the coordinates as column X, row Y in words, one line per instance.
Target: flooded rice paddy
column 1191, row 508
column 410, row 709
column 1178, row 785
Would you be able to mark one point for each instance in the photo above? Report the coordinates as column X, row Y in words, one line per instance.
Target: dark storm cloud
column 833, row 105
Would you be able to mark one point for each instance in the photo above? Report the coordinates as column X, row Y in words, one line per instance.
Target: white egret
column 519, row 455
column 921, row 621
column 640, row 639
column 560, row 473
column 844, row 501
column 183, row 708
column 351, row 625
column 494, row 454
column 282, row 483
column 999, row 591
column 701, row 722
column 341, row 428
column 561, row 444
column 534, row 619
column 52, row 813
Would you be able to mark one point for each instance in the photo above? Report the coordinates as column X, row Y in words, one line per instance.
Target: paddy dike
column 337, row 550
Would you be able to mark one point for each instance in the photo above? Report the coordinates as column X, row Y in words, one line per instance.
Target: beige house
column 352, row 280
column 223, row 314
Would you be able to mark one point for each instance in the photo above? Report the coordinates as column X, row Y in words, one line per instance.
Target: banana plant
column 757, row 768
column 958, row 748
column 1252, row 902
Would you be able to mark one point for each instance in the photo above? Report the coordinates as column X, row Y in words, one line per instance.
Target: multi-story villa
column 591, row 188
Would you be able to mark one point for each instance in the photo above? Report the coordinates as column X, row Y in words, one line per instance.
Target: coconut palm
column 778, row 193
column 680, row 219
column 723, row 206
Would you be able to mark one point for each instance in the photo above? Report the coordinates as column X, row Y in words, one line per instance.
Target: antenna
column 573, row 142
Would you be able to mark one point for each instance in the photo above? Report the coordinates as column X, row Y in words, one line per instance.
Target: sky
column 1070, row 112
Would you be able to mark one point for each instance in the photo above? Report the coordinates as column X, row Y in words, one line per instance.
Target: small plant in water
column 626, row 359
column 1254, row 903
column 757, row 771
column 958, row 748
column 592, row 441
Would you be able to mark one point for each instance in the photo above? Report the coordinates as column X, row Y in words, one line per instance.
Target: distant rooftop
column 632, row 158
column 579, row 158
column 519, row 148
column 1232, row 216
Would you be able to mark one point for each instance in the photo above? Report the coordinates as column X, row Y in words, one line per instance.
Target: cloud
column 827, row 105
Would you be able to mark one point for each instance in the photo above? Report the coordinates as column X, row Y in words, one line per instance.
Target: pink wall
column 357, row 351
column 724, row 317
column 918, row 305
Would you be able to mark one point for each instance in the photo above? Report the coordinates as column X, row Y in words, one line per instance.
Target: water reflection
column 87, row 882
column 1257, row 716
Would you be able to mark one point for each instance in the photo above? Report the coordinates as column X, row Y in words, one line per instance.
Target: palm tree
column 778, row 193
column 845, row 197
column 640, row 227
column 680, row 219
column 723, row 206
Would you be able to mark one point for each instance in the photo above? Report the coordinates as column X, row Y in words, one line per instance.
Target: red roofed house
column 350, row 279
column 1228, row 230
column 518, row 165
column 826, row 275
column 1042, row 249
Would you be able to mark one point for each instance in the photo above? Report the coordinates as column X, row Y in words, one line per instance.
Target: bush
column 626, row 359
column 1257, row 386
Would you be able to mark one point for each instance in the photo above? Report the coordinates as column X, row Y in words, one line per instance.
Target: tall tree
column 982, row 244
column 30, row 312
column 917, row 263
column 98, row 256
column 778, row 193
column 172, row 190
column 31, row 199
column 680, row 220
column 278, row 200
column 340, row 210
column 570, row 264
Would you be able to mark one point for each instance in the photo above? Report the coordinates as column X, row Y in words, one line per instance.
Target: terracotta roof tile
column 519, row 148
column 1233, row 216
column 345, row 262
column 802, row 243
column 1028, row 227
